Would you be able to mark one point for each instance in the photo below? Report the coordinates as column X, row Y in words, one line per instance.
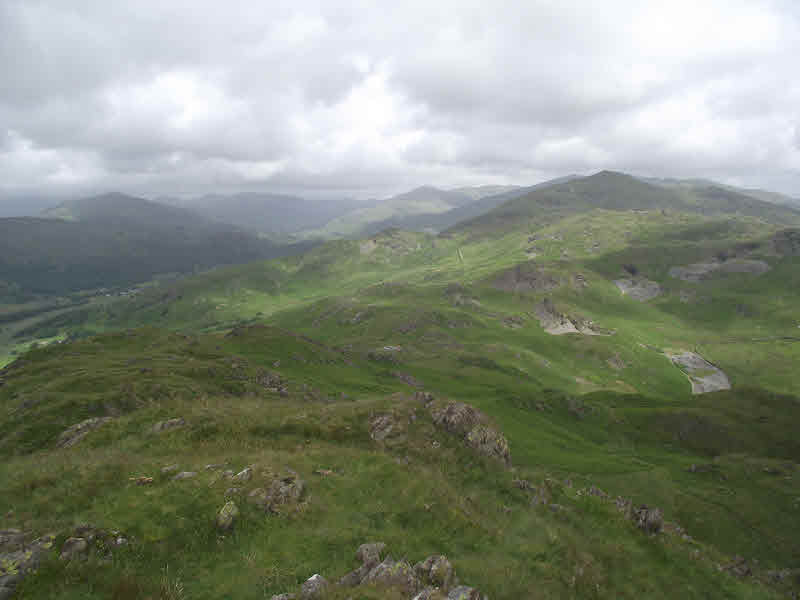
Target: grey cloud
column 369, row 98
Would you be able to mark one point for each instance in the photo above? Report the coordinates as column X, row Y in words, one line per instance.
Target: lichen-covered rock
column 285, row 491
column 436, row 570
column 74, row 434
column 227, row 515
column 463, row 592
column 430, row 593
column 380, row 426
column 313, row 588
column 649, row 520
column 74, row 547
column 184, row 475
column 370, row 555
column 168, row 424
column 489, row 442
column 457, row 417
column 397, row 575
column 283, row 597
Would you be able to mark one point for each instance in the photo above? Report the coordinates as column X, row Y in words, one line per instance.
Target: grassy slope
column 632, row 431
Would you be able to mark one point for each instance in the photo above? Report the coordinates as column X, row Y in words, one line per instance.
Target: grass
column 338, row 325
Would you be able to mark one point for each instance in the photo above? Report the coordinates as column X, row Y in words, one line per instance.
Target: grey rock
column 380, row 426
column 370, row 554
column 227, row 515
column 169, row 468
column 283, row 597
column 436, row 570
column 168, row 424
column 77, row 432
column 649, row 520
column 489, row 442
column 184, row 475
column 313, row 588
column 463, row 592
column 399, row 575
column 74, row 547
column 244, row 475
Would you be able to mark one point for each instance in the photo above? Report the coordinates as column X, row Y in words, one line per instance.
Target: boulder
column 282, row 492
column 184, row 475
column 74, row 434
column 436, row 570
column 380, row 426
column 463, row 592
column 284, row 597
column 430, row 593
column 227, row 515
column 489, row 442
column 313, row 588
column 457, row 417
column 174, row 423
column 245, row 474
column 649, row 520
column 370, row 556
column 74, row 547
column 397, row 575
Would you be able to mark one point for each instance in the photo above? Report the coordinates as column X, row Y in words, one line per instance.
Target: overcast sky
column 371, row 98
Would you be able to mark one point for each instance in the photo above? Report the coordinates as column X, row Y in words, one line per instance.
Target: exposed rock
column 786, row 242
column 430, row 593
column 313, row 588
column 398, row 575
column 616, row 362
column 169, row 468
column 227, row 515
column 706, row 270
column 184, row 475
column 380, row 426
column 464, row 420
column 739, row 567
column 370, row 556
column 463, row 592
column 11, row 540
column 285, row 491
column 649, row 520
column 77, row 432
column 703, row 376
column 233, row 491
column 244, row 475
column 409, row 379
column 284, row 597
column 556, row 323
column 168, row 424
column 489, row 442
column 74, row 547
column 17, row 558
column 436, row 571
column 640, row 289
column 525, row 277
column 457, row 417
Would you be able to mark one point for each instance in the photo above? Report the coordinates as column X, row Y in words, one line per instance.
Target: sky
column 367, row 99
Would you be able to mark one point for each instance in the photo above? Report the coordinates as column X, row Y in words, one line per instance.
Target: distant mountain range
column 113, row 240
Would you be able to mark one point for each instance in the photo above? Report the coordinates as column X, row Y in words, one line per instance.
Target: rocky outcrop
column 639, row 288
column 74, row 548
column 525, row 277
column 704, row 376
column 472, row 426
column 433, row 578
column 555, row 322
column 74, row 434
column 284, row 492
column 18, row 558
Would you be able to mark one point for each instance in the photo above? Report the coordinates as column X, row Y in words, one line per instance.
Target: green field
column 352, row 329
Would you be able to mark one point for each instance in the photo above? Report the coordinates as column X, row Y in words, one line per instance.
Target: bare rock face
column 436, row 571
column 282, row 492
column 77, row 432
column 74, row 547
column 786, row 242
column 370, row 556
column 703, row 376
column 640, row 289
column 18, row 558
column 472, row 426
column 525, row 277
column 556, row 323
column 649, row 520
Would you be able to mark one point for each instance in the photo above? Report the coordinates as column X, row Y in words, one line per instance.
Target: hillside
column 569, row 398
column 617, row 191
column 116, row 240
column 270, row 213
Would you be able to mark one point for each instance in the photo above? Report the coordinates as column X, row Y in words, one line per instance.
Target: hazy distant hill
column 618, row 191
column 270, row 213
column 116, row 239
column 693, row 185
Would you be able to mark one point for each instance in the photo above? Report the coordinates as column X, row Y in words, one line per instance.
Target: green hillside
column 590, row 392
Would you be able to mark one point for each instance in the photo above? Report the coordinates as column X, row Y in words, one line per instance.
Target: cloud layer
column 365, row 98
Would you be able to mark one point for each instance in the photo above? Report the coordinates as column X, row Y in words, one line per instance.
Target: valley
column 588, row 390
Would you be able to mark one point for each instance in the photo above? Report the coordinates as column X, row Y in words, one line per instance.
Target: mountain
column 611, row 190
column 113, row 240
column 692, row 185
column 270, row 213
